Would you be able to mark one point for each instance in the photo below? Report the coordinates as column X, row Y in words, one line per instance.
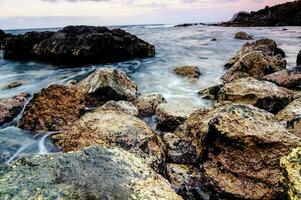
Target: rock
column 110, row 128
column 189, row 24
column 262, row 94
column 92, row 173
column 213, row 39
column 266, row 46
column 79, row 45
column 184, row 179
column 243, row 146
column 14, row 84
column 210, row 92
column 287, row 78
column 3, row 37
column 52, row 108
column 291, row 114
column 171, row 115
column 148, row 103
column 298, row 61
column 11, row 107
column 189, row 71
column 254, row 64
column 109, row 84
column 286, row 14
column 242, row 36
column 72, row 82
column 122, row 106
column 291, row 166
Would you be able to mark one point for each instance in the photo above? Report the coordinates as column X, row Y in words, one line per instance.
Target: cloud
column 76, row 0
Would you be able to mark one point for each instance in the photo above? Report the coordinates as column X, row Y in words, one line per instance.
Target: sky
column 16, row 14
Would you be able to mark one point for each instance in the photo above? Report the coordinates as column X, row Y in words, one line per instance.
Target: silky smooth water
column 174, row 47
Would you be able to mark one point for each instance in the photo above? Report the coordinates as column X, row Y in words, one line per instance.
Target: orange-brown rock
column 188, row 71
column 242, row 36
column 52, row 108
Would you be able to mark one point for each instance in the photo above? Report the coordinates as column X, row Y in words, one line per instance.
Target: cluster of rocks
column 76, row 45
column 189, row 24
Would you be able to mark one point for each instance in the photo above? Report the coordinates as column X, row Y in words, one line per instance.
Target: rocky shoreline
column 246, row 146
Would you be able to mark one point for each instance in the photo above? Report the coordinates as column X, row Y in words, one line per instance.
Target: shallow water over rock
column 174, row 47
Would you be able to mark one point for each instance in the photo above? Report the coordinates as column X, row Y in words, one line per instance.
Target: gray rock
column 148, row 103
column 123, row 106
column 242, row 36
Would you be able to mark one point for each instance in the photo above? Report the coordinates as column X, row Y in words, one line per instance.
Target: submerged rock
column 122, row 106
column 11, row 107
column 267, row 47
column 52, row 108
column 287, row 78
column 185, row 180
column 109, row 84
column 148, row 103
column 110, row 128
column 189, row 71
column 171, row 115
column 254, row 64
column 261, row 94
column 242, row 36
column 78, row 44
column 92, row 173
column 14, row 84
column 291, row 166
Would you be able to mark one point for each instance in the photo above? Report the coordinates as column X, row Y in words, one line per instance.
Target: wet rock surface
column 52, row 108
column 121, row 106
column 170, row 115
column 110, row 128
column 148, row 103
column 78, row 44
column 210, row 92
column 298, row 61
column 188, row 71
column 242, row 36
column 261, row 94
column 109, row 84
column 290, row 78
column 291, row 166
column 11, row 107
column 92, row 173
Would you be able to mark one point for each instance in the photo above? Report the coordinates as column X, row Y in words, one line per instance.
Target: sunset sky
column 57, row 13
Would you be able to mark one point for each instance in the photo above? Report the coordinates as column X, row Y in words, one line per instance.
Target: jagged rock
column 189, row 71
column 92, row 173
column 261, row 94
column 78, row 44
column 242, row 36
column 185, row 180
column 11, row 107
column 52, row 108
column 266, row 46
column 210, row 92
column 287, row 78
column 298, row 61
column 170, row 115
column 254, row 64
column 148, row 103
column 291, row 114
column 286, row 14
column 3, row 37
column 291, row 166
column 109, row 84
column 110, row 128
column 122, row 106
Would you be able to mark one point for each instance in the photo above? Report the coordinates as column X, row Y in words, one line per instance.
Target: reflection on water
column 174, row 47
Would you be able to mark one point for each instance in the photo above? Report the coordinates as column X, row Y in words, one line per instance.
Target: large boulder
column 92, row 173
column 148, row 103
column 52, row 108
column 11, row 107
column 188, row 71
column 266, row 46
column 254, row 64
column 109, row 84
column 242, row 36
column 170, row 115
column 291, row 166
column 79, row 44
column 261, row 94
column 291, row 114
column 111, row 128
column 287, row 78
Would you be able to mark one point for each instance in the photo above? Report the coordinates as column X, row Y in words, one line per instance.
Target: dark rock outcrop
column 11, row 107
column 189, row 24
column 242, row 36
column 286, row 14
column 92, row 173
column 3, row 37
column 77, row 45
column 298, row 61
